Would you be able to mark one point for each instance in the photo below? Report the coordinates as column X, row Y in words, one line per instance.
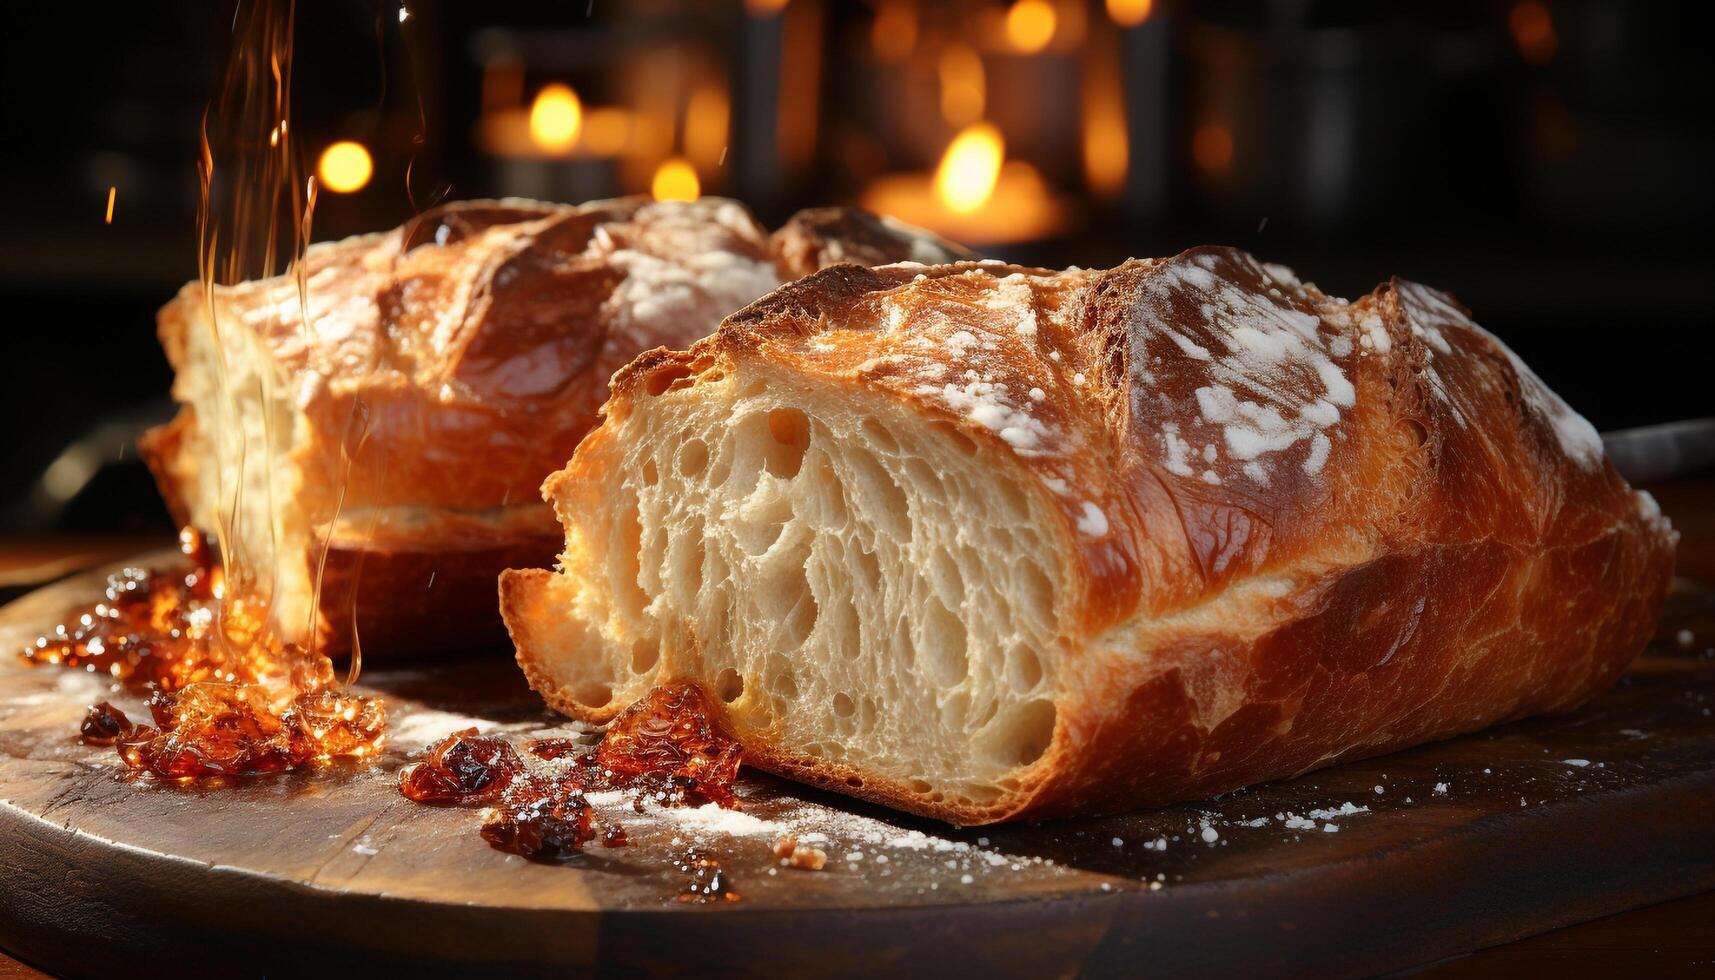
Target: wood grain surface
column 1458, row 845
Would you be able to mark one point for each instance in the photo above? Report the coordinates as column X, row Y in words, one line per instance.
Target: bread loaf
column 446, row 368
column 984, row 542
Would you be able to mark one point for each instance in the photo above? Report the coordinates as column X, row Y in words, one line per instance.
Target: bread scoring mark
column 1432, row 315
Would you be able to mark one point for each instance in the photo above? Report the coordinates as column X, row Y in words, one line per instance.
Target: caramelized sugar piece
column 211, row 729
column 227, row 697
column 103, row 725
column 464, row 767
column 671, row 737
column 706, row 880
column 326, row 724
column 541, row 819
column 667, row 747
column 154, row 627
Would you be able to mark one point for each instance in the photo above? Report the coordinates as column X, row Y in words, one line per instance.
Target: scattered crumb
column 1441, row 789
column 1685, row 638
column 795, row 855
column 1580, row 763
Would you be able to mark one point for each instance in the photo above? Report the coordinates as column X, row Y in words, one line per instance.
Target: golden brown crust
column 1306, row 530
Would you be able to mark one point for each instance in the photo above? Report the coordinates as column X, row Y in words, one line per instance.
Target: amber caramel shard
column 464, row 767
column 104, row 724
column 668, row 748
column 671, row 741
column 226, row 696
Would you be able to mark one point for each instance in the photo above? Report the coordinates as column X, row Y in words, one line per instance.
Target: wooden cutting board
column 1373, row 866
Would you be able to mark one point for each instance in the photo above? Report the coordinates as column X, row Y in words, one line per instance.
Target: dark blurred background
column 1550, row 161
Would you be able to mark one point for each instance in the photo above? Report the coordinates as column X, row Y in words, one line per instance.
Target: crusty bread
column 816, row 238
column 984, row 542
column 447, row 367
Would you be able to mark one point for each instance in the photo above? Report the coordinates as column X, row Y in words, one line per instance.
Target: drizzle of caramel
column 667, row 747
column 226, row 696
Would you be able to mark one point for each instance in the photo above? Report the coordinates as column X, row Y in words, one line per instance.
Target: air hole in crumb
column 1024, row 733
column 960, row 441
column 650, row 476
column 693, row 457
column 623, row 565
column 593, row 693
column 879, row 436
column 854, row 782
column 791, row 431
column 1023, row 669
column 729, row 685
column 844, row 706
column 986, row 714
column 884, row 503
column 785, row 685
column 663, row 379
column 919, row 786
column 645, row 654
column 945, row 660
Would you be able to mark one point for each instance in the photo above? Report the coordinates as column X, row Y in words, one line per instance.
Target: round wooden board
column 333, row 870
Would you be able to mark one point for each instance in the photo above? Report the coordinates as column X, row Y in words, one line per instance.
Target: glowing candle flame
column 112, row 192
column 1030, row 25
column 676, row 180
column 1129, row 13
column 556, row 117
column 969, row 169
column 345, row 167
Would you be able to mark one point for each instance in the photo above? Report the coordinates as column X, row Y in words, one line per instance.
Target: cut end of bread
column 860, row 588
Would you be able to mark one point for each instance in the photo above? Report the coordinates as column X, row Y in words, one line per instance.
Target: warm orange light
column 1030, row 25
column 676, row 180
column 607, row 131
column 112, row 192
column 1212, row 147
column 706, row 126
column 764, row 8
column 1106, row 152
column 345, row 167
column 1129, row 13
column 502, row 82
column 894, row 30
column 1533, row 31
column 966, row 177
column 556, row 117
column 963, row 85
